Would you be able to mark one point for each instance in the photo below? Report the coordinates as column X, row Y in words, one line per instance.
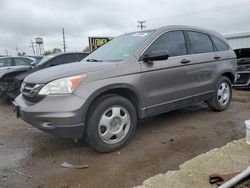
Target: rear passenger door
column 203, row 63
column 167, row 84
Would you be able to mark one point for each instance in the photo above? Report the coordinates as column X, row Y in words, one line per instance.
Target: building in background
column 240, row 40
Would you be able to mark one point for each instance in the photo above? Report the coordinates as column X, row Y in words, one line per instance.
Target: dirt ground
column 161, row 143
column 231, row 158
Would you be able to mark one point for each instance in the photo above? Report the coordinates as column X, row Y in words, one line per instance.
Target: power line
column 203, row 11
column 32, row 47
column 16, row 50
column 141, row 22
column 64, row 45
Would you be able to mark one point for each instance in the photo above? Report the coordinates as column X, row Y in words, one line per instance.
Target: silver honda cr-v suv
column 134, row 76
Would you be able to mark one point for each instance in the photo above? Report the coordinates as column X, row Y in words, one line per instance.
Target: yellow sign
column 96, row 42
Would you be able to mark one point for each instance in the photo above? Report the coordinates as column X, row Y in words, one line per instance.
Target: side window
column 220, row 45
column 54, row 61
column 69, row 58
column 22, row 61
column 6, row 62
column 200, row 42
column 173, row 41
column 81, row 56
column 62, row 59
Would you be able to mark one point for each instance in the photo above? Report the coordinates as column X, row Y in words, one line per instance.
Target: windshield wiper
column 93, row 60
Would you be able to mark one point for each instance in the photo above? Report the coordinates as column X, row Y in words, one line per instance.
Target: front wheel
column 222, row 95
column 112, row 121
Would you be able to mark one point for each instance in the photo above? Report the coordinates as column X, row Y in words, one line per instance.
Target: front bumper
column 3, row 89
column 243, row 79
column 10, row 89
column 59, row 115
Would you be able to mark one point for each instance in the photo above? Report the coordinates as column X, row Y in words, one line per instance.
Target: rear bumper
column 59, row 115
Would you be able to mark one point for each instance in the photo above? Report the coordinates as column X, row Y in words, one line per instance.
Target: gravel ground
column 160, row 144
column 232, row 158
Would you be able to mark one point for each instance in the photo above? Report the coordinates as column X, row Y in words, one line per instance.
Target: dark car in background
column 11, row 81
column 243, row 68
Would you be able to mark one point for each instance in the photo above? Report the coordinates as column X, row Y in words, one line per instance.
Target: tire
column 112, row 121
column 222, row 96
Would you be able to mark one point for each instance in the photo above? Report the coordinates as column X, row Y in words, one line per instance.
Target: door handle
column 185, row 61
column 217, row 57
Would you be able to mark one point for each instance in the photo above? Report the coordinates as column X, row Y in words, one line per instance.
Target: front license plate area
column 16, row 109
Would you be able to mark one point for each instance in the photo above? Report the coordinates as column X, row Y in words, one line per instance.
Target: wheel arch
column 124, row 90
column 229, row 75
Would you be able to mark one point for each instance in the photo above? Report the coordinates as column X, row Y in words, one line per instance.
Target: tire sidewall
column 97, row 111
column 215, row 98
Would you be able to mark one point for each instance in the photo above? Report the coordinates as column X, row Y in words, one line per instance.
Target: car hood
column 2, row 72
column 48, row 74
column 13, row 71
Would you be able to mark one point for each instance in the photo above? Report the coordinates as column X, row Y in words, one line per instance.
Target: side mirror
column 156, row 55
column 33, row 63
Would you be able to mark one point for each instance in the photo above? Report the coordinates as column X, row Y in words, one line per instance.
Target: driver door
column 168, row 84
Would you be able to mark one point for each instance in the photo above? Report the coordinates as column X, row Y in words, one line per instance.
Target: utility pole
column 64, row 45
column 141, row 22
column 17, row 51
column 32, row 46
column 6, row 51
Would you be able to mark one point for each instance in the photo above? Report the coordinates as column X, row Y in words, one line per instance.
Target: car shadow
column 44, row 144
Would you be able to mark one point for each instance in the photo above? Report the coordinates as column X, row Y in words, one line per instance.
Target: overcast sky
column 23, row 20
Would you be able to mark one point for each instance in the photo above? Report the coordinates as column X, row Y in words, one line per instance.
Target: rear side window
column 6, row 62
column 22, row 61
column 200, row 42
column 81, row 56
column 219, row 45
column 172, row 41
column 69, row 58
column 62, row 59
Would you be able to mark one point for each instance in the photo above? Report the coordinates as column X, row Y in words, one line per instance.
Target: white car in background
column 9, row 63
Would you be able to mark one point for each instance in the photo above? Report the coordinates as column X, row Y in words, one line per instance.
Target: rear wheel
column 222, row 95
column 112, row 121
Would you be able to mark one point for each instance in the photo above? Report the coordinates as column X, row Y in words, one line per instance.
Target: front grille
column 30, row 92
column 35, row 99
column 243, row 80
column 27, row 87
column 243, row 68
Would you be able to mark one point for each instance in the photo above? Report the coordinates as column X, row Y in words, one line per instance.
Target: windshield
column 46, row 58
column 119, row 48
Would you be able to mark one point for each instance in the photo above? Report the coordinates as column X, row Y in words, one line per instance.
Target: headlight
column 62, row 85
